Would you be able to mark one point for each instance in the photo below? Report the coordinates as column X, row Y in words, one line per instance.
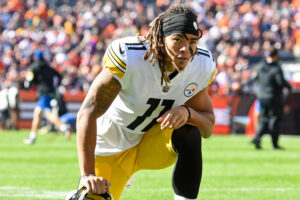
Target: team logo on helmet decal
column 190, row 89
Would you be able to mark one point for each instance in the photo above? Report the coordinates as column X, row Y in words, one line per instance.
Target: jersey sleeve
column 212, row 69
column 115, row 59
column 208, row 66
column 212, row 77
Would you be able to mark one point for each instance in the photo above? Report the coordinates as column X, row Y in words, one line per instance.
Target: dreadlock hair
column 155, row 36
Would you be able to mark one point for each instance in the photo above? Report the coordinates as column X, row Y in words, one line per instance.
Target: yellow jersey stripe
column 114, row 56
column 213, row 73
column 112, row 67
column 116, row 64
column 211, row 77
column 210, row 81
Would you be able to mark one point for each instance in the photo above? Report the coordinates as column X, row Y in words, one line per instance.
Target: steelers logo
column 190, row 89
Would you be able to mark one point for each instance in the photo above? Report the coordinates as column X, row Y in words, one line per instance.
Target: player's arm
column 197, row 111
column 101, row 94
column 201, row 112
column 58, row 75
column 281, row 81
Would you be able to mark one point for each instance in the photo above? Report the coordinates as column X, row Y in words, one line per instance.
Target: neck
column 170, row 67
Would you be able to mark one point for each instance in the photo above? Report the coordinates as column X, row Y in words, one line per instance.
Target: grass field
column 233, row 170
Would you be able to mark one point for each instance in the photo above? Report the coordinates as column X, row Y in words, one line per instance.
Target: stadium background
column 74, row 35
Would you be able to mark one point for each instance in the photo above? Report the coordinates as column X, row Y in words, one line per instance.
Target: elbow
column 83, row 117
column 79, row 116
column 206, row 133
column 86, row 125
column 87, row 114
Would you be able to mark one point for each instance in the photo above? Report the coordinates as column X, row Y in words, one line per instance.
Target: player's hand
column 94, row 184
column 174, row 118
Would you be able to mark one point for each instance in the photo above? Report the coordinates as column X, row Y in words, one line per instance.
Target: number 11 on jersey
column 154, row 103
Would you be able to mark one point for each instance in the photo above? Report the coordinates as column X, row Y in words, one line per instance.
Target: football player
column 149, row 108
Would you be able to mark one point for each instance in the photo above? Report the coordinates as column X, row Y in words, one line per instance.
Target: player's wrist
column 84, row 176
column 188, row 110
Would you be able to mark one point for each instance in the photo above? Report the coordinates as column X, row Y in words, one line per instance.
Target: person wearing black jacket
column 46, row 79
column 271, row 83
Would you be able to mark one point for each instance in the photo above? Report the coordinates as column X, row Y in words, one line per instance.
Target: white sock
column 32, row 135
column 177, row 197
column 130, row 182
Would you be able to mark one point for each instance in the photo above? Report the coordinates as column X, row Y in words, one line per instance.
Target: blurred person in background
column 148, row 109
column 9, row 98
column 4, row 107
column 271, row 83
column 68, row 119
column 13, row 97
column 46, row 80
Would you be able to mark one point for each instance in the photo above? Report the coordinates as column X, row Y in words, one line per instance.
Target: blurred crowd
column 73, row 35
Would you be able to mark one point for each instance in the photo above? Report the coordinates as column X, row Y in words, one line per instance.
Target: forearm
column 202, row 113
column 86, row 142
column 203, row 120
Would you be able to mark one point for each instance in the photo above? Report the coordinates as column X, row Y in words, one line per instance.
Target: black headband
column 181, row 23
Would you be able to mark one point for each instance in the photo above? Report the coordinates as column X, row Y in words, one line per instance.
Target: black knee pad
column 187, row 137
column 188, row 168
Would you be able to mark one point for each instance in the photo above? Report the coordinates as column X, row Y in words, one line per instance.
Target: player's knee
column 187, row 137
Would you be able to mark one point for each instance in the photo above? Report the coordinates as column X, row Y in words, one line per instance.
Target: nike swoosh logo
column 120, row 49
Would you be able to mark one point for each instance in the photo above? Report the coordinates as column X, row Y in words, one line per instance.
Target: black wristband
column 188, row 109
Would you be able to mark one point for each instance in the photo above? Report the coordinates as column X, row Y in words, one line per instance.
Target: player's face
column 180, row 48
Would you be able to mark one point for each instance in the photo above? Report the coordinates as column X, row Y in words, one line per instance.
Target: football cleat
column 82, row 194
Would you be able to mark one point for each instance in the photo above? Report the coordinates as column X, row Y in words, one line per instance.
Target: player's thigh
column 37, row 112
column 117, row 169
column 155, row 150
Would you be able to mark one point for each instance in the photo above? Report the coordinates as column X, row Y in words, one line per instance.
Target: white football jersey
column 142, row 98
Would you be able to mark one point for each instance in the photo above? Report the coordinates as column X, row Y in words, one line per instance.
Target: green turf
column 232, row 170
